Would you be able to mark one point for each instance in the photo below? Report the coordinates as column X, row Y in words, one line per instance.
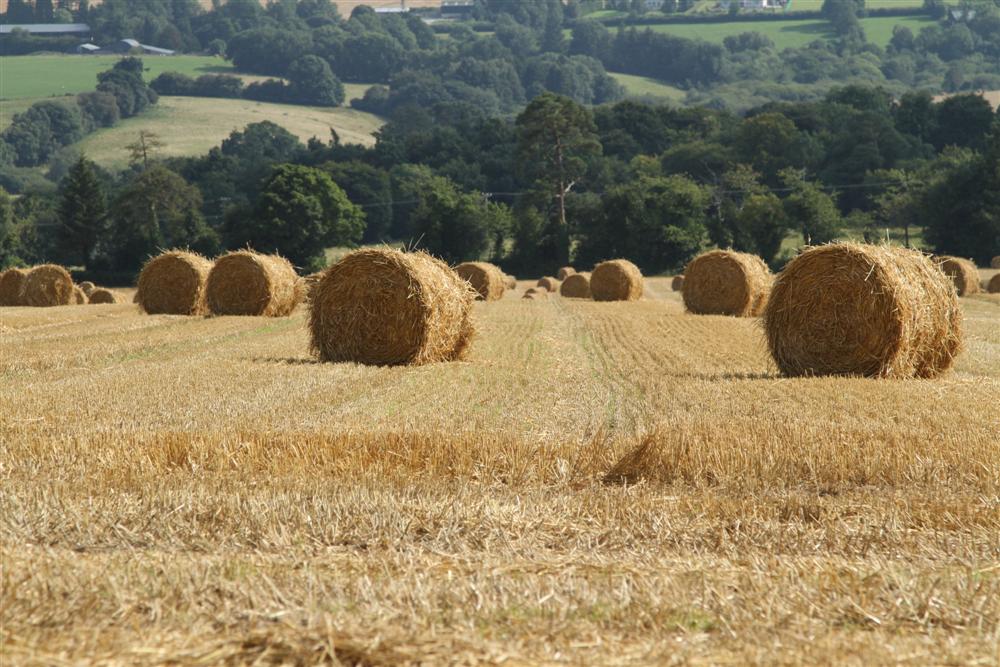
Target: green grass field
column 641, row 86
column 816, row 5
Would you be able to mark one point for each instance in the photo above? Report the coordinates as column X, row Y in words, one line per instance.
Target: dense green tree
column 312, row 82
column 8, row 233
column 810, row 209
column 82, row 213
column 368, row 187
column 456, row 226
column 125, row 82
column 770, row 142
column 964, row 121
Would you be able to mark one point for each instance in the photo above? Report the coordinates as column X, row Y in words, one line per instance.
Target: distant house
column 47, row 29
column 457, row 8
column 131, row 45
column 88, row 49
column 653, row 5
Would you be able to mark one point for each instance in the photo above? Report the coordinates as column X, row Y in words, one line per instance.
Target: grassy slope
column 197, row 491
column 641, row 86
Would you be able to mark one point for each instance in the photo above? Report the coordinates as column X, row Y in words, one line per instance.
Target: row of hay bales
column 49, row 285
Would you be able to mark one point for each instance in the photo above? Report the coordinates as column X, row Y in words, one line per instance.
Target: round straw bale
column 135, row 297
column 995, row 262
column 534, row 296
column 309, row 283
column 248, row 283
column 723, row 282
column 173, row 283
column 510, row 282
column 993, row 286
column 48, row 285
column 677, row 284
column 79, row 297
column 565, row 272
column 616, row 280
column 103, row 296
column 852, row 309
column 540, row 292
column 87, row 287
column 385, row 307
column 576, row 286
column 548, row 283
column 485, row 278
column 11, row 285
column 962, row 271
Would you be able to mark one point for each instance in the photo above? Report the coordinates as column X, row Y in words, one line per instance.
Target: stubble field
column 598, row 483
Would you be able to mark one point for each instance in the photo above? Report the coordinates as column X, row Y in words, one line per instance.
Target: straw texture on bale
column 576, row 286
column 995, row 262
column 87, row 287
column 386, row 307
column 79, row 297
column 248, row 283
column 510, row 282
column 173, row 283
column 549, row 284
column 485, row 278
column 677, row 284
column 963, row 273
column 874, row 311
column 48, row 285
column 723, row 282
column 993, row 286
column 616, row 280
column 565, row 272
column 101, row 295
column 308, row 284
column 11, row 285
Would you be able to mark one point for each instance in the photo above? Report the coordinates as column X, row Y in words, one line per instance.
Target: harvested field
column 608, row 483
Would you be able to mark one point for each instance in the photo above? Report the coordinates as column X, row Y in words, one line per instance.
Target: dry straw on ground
column 79, row 296
column 386, row 307
column 723, row 282
column 104, row 296
column 485, row 278
column 993, row 286
column 173, row 283
column 565, row 272
column 963, row 273
column 87, row 287
column 851, row 309
column 249, row 283
column 48, row 285
column 677, row 284
column 616, row 280
column 576, row 286
column 548, row 283
column 510, row 282
column 11, row 284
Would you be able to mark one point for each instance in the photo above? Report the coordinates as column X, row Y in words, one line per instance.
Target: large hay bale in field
column 79, row 296
column 993, row 286
column 548, row 283
column 11, row 286
column 723, row 282
column 677, row 284
column 386, row 307
column 509, row 281
column 103, row 296
column 173, row 283
column 963, row 273
column 616, row 280
column 485, row 278
column 576, row 286
column 248, row 283
column 87, row 287
column 565, row 272
column 47, row 285
column 852, row 309
column 995, row 262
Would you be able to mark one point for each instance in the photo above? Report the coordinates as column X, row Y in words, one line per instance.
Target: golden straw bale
column 677, row 284
column 852, row 309
column 993, row 286
column 540, row 292
column 963, row 273
column 173, row 283
column 576, row 286
column 104, row 296
column 248, row 283
column 87, row 287
column 11, row 286
column 308, row 284
column 723, row 282
column 48, row 285
column 616, row 280
column 565, row 272
column 485, row 278
column 510, row 282
column 548, row 283
column 79, row 297
column 995, row 262
column 386, row 307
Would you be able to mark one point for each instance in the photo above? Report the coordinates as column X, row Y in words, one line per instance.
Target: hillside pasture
column 597, row 484
column 647, row 88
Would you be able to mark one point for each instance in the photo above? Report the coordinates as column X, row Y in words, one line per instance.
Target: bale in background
column 248, row 283
column 616, row 280
column 11, row 285
column 576, row 286
column 308, row 284
column 485, row 278
column 536, row 292
column 677, row 284
column 79, row 297
column 723, row 282
column 47, row 285
column 173, row 283
column 386, row 307
column 510, row 282
column 995, row 262
column 875, row 311
column 103, row 296
column 87, row 287
column 548, row 283
column 963, row 273
column 565, row 272
column 993, row 287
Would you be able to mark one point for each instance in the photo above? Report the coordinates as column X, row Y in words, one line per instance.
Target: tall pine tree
column 44, row 11
column 82, row 212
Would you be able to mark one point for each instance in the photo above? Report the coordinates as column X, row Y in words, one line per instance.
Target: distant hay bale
column 548, row 283
column 248, row 283
column 11, row 286
column 565, row 272
column 510, row 282
column 48, row 285
column 485, row 278
column 995, row 262
column 386, row 307
column 993, row 286
column 308, row 284
column 103, row 296
column 616, row 280
column 538, row 292
column 173, row 283
column 79, row 296
column 576, row 286
column 874, row 311
column 87, row 287
column 677, row 284
column 963, row 273
column 723, row 282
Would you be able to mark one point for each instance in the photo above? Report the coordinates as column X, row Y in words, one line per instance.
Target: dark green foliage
column 455, row 226
column 82, row 213
column 369, row 187
column 124, row 81
column 36, row 134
